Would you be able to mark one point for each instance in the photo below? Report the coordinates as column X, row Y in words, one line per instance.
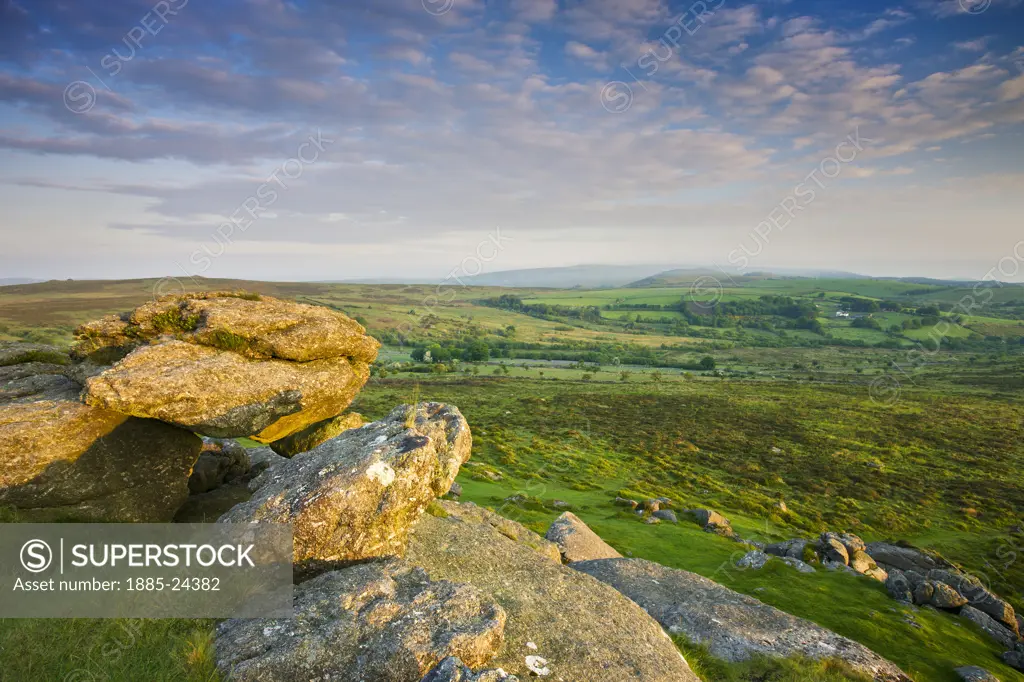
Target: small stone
column 538, row 666
column 755, row 560
column 972, row 673
column 666, row 515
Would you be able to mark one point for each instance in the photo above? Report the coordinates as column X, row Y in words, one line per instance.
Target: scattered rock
column 538, row 666
column 21, row 353
column 650, row 505
column 852, row 543
column 733, row 626
column 832, row 549
column 560, row 504
column 65, row 461
column 755, row 560
column 708, row 517
column 455, row 490
column 790, row 548
column 665, row 502
column 623, row 502
column 381, row 621
column 355, row 497
column 990, row 625
column 862, row 563
column 665, row 515
column 452, row 669
column 781, row 506
column 1014, row 659
column 315, row 434
column 652, row 521
column 576, row 541
column 899, row 587
column 586, row 630
column 798, row 565
column 971, row 673
column 939, row 595
column 977, row 595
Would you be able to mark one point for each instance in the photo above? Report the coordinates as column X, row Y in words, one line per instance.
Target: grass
column 84, row 650
column 765, row 669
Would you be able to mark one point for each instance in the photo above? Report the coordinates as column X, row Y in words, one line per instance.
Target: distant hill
column 12, row 281
column 585, row 276
column 687, row 276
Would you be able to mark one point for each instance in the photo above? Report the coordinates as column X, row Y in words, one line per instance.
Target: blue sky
column 306, row 140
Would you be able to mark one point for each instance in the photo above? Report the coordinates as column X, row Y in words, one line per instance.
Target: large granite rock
column 585, row 631
column 733, row 626
column 382, row 621
column 224, row 394
column 467, row 511
column 355, row 497
column 889, row 555
column 62, row 460
column 30, row 372
column 576, row 542
column 259, row 327
column 226, row 365
column 315, row 434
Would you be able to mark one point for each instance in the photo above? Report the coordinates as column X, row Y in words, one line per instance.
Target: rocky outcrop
column 31, row 372
column 381, row 621
column 224, row 394
column 355, row 497
column 904, row 558
column 733, row 626
column 226, row 365
column 990, row 626
column 62, row 460
column 259, row 327
column 832, row 550
column 321, row 432
column 582, row 629
column 790, row 548
column 576, row 541
column 469, row 512
column 452, row 669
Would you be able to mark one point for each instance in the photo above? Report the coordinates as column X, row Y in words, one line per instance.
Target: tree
column 707, row 362
column 587, row 376
column 477, row 351
column 656, row 376
column 624, row 375
column 418, row 354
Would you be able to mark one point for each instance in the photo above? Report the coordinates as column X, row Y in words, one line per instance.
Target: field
column 734, row 398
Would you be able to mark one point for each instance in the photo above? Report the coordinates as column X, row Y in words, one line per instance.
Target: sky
column 418, row 138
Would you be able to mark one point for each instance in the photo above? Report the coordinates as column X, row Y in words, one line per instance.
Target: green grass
column 764, row 669
column 83, row 650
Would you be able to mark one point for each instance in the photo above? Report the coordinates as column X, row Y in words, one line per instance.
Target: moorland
column 888, row 408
